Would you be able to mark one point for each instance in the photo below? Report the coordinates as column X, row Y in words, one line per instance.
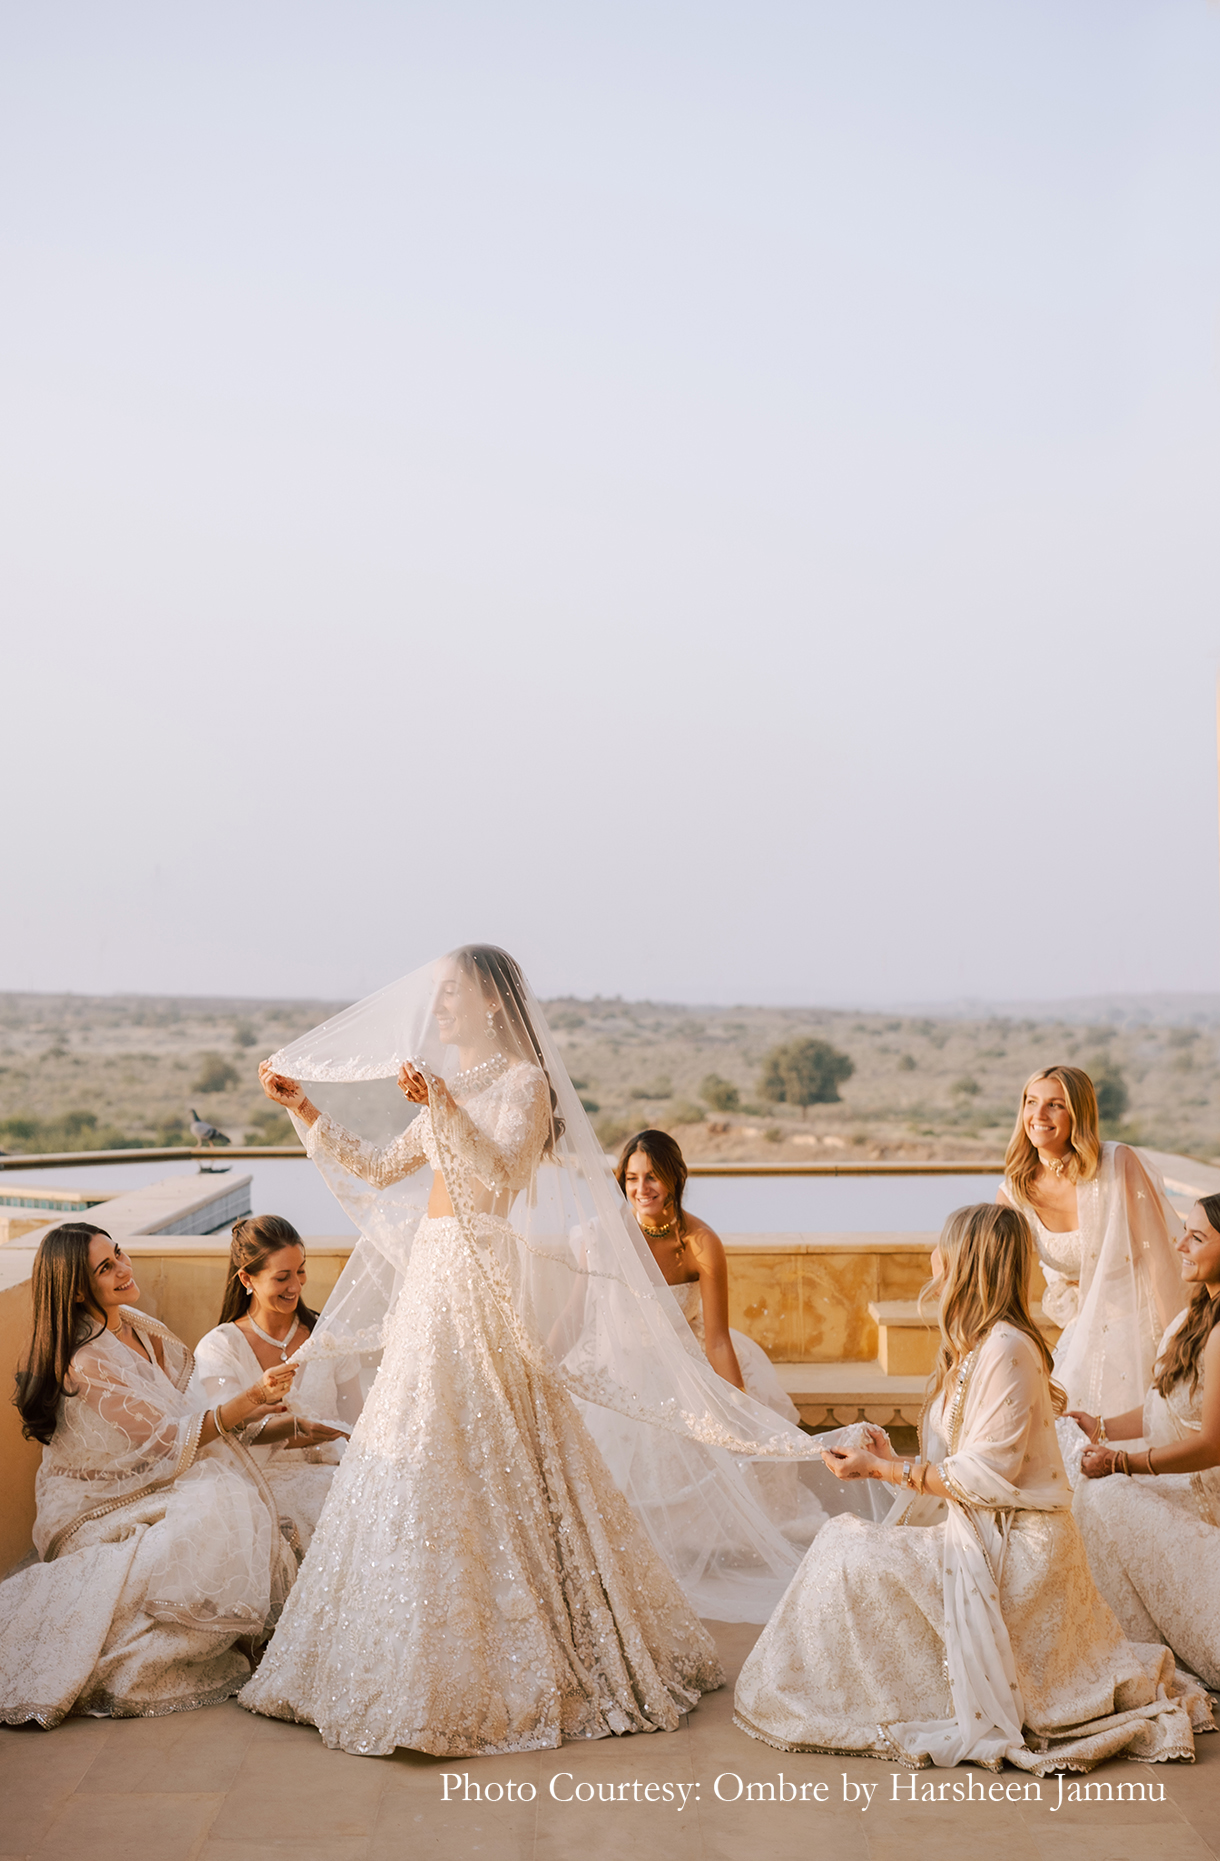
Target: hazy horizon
column 720, row 501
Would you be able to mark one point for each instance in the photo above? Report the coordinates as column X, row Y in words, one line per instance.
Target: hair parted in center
column 668, row 1165
column 504, row 989
column 1021, row 1163
column 255, row 1239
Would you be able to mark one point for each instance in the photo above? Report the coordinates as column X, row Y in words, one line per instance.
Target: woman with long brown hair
column 263, row 1319
column 690, row 1257
column 1105, row 1232
column 1153, row 1532
column 975, row 1632
column 163, row 1561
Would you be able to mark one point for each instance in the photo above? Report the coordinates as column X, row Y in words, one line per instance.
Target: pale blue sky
column 721, row 498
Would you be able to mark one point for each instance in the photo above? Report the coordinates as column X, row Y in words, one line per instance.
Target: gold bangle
column 220, row 1427
column 1101, row 1437
column 1151, row 1468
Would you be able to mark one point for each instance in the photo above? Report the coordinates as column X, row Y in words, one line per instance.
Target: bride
column 477, row 1582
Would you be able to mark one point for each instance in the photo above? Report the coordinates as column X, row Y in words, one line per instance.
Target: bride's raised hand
column 879, row 1442
column 418, row 1086
column 280, row 1089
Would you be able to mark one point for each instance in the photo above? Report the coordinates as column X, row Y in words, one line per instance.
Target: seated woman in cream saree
column 966, row 1627
column 1153, row 1537
column 160, row 1542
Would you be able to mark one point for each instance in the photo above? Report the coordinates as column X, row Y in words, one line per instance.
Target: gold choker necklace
column 658, row 1234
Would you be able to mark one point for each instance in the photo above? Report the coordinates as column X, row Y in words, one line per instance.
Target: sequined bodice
column 496, row 1137
column 690, row 1301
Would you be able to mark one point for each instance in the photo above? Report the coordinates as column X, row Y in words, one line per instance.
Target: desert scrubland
column 84, row 1072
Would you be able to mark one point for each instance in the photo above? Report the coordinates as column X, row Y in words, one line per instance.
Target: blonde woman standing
column 1105, row 1232
column 1153, row 1533
column 966, row 1627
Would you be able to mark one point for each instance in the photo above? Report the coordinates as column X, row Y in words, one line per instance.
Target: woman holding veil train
column 477, row 1583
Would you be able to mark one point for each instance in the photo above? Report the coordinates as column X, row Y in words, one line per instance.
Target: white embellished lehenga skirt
column 1155, row 1552
column 476, row 1582
column 858, row 1645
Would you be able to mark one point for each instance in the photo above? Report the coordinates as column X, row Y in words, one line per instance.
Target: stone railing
column 804, row 1297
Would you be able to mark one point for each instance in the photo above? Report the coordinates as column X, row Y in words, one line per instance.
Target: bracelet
column 1151, row 1468
column 220, row 1427
column 1101, row 1437
column 920, row 1478
column 906, row 1475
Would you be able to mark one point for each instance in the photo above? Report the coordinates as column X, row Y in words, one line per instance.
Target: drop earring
column 491, row 1021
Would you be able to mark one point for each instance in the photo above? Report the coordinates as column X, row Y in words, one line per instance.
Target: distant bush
column 773, row 1134
column 683, row 1112
column 662, row 1088
column 907, row 1063
column 244, row 1034
column 966, row 1087
column 804, row 1072
column 215, row 1074
column 611, row 1131
column 590, row 1105
column 75, row 1130
column 567, row 1017
column 269, row 1125
column 719, row 1094
column 1113, row 1095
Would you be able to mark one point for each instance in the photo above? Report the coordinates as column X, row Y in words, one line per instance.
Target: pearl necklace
column 476, row 1077
column 281, row 1344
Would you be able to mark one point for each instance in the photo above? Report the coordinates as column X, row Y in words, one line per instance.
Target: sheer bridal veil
column 714, row 1476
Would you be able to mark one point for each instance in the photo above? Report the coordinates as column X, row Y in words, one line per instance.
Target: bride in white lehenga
column 477, row 1583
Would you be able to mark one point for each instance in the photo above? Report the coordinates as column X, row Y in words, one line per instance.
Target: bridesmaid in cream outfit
column 1105, row 1232
column 1153, row 1537
column 652, row 1173
column 966, row 1628
column 264, row 1319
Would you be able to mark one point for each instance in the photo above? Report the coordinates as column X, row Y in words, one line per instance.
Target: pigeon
column 203, row 1132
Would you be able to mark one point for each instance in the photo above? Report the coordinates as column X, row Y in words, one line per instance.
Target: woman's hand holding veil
column 286, row 1092
column 419, row 1086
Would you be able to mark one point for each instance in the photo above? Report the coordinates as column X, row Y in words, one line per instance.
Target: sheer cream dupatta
column 978, row 1435
column 587, row 1301
column 1130, row 1287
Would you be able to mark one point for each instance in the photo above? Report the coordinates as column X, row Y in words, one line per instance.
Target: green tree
column 719, row 1093
column 804, row 1072
column 215, row 1074
column 1113, row 1096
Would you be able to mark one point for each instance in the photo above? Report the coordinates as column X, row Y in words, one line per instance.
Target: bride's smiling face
column 459, row 1006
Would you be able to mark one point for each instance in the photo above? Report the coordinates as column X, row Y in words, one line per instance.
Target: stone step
column 907, row 1340
column 830, row 1395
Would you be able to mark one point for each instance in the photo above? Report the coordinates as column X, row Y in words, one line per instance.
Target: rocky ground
column 80, row 1072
